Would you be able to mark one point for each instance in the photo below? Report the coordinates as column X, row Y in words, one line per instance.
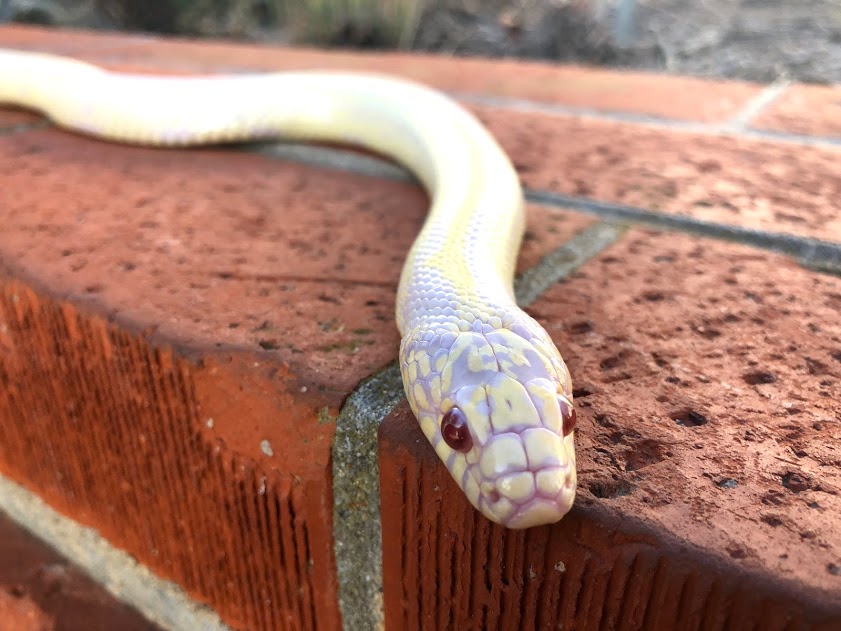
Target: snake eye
column 567, row 415
column 455, row 431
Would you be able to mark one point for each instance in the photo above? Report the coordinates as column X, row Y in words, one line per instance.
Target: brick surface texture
column 180, row 328
column 40, row 591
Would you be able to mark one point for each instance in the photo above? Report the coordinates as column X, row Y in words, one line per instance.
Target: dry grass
column 366, row 23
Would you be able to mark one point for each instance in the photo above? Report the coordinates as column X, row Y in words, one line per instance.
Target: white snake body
column 487, row 384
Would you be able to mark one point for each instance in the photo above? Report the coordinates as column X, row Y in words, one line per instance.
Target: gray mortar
column 815, row 254
column 8, row 130
column 357, row 528
column 160, row 601
column 339, row 159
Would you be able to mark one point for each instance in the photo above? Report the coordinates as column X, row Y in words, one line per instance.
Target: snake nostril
column 455, row 431
column 494, row 497
column 568, row 415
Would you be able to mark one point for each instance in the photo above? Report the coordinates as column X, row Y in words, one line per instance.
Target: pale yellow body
column 465, row 342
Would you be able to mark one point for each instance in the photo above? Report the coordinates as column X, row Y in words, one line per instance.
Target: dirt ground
column 757, row 40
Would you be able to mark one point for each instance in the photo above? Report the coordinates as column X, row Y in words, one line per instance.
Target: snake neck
column 461, row 266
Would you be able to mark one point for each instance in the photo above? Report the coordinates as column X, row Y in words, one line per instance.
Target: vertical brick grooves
column 408, row 542
column 666, row 587
column 296, row 582
column 427, row 588
column 691, row 594
column 525, row 608
column 442, row 585
column 634, row 598
column 464, row 588
column 243, row 508
column 146, row 489
column 306, row 588
column 617, row 580
column 205, row 544
column 406, row 554
column 511, row 579
column 739, row 616
column 481, row 573
column 584, row 601
column 110, row 431
column 177, row 440
column 713, row 610
column 594, row 571
column 571, row 586
column 516, row 582
column 549, row 581
column 158, row 444
column 282, row 601
column 231, row 563
column 266, row 593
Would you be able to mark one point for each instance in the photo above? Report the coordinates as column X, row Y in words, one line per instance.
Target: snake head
column 496, row 405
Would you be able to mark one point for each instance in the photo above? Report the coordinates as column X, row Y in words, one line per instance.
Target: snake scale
column 485, row 381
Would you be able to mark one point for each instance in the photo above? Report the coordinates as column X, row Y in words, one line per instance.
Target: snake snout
column 526, row 478
column 526, row 498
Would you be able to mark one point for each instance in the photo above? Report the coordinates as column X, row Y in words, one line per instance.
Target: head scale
column 496, row 404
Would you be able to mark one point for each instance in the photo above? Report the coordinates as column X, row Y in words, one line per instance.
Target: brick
column 41, row 591
column 198, row 318
column 66, row 41
column 682, row 98
column 11, row 119
column 733, row 180
column 814, row 110
column 19, row 613
column 705, row 176
column 707, row 378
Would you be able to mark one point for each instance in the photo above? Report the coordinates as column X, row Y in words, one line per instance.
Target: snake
column 484, row 379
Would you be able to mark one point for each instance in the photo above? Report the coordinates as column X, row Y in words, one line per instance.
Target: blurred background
column 757, row 40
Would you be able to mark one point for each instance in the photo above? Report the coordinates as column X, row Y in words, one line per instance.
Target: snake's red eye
column 568, row 415
column 455, row 431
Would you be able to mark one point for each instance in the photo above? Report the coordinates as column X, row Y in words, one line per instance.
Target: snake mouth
column 528, row 498
column 539, row 513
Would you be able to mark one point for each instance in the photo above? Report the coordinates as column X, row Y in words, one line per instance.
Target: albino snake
column 488, row 386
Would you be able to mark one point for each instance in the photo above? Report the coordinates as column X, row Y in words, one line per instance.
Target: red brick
column 708, row 382
column 41, row 589
column 814, row 110
column 708, row 177
column 10, row 119
column 734, row 180
column 606, row 90
column 165, row 288
column 19, row 613
column 66, row 41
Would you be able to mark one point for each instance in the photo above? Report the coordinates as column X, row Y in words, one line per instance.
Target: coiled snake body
column 488, row 386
